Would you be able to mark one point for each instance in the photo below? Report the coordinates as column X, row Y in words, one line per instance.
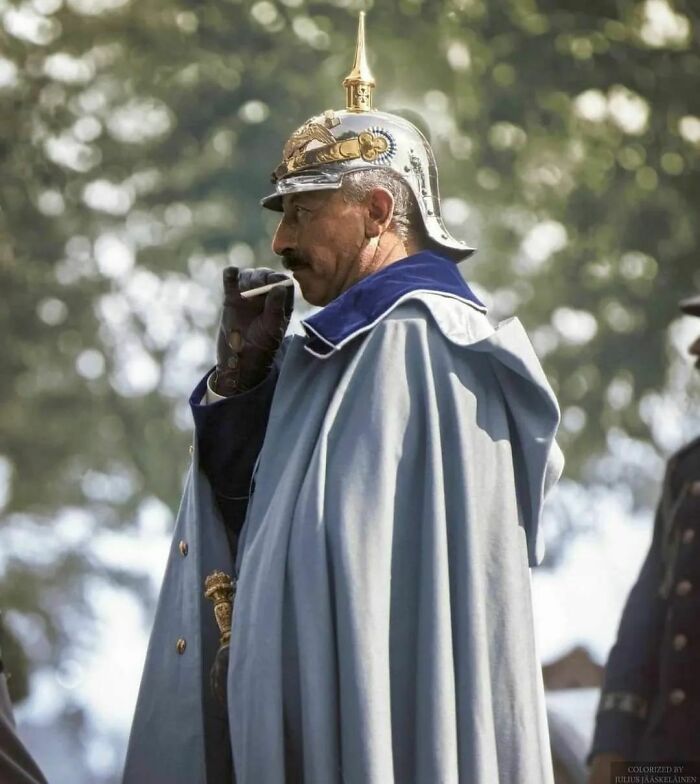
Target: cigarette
column 264, row 289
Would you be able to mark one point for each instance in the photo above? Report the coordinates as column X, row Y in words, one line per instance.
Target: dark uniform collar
column 366, row 303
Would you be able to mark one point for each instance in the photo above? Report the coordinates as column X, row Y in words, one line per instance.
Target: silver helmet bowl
column 336, row 143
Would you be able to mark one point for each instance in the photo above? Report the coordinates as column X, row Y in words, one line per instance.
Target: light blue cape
column 383, row 626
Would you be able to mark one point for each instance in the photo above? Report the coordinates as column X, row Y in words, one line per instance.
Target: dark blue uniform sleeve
column 631, row 673
column 229, row 436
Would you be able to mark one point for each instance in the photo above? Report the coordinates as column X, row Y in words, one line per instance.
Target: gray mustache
column 291, row 261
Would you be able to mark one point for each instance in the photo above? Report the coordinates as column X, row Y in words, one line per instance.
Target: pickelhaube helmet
column 335, row 143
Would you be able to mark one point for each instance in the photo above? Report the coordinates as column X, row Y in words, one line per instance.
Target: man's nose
column 284, row 239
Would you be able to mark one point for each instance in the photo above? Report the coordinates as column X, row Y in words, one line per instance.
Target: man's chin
column 313, row 298
column 311, row 291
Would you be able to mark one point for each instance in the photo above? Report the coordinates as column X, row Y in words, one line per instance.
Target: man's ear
column 380, row 212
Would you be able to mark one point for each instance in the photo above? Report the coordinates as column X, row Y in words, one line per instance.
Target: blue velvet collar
column 360, row 307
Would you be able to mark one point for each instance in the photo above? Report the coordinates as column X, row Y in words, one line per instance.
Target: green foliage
column 136, row 139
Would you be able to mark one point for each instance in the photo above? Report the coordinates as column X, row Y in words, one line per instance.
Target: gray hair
column 406, row 221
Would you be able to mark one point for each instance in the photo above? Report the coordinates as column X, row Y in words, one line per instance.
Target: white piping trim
column 336, row 347
column 318, row 334
column 252, row 475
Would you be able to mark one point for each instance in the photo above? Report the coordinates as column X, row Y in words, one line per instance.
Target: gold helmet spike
column 359, row 83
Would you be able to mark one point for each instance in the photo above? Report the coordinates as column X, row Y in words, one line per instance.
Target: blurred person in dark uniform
column 650, row 705
column 16, row 763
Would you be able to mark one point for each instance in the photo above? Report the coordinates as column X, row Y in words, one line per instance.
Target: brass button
column 688, row 536
column 676, row 697
column 180, row 646
column 191, row 449
column 684, row 587
column 695, row 487
column 679, row 642
column 184, row 548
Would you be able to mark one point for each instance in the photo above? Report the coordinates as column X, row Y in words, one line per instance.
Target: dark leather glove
column 251, row 330
column 219, row 674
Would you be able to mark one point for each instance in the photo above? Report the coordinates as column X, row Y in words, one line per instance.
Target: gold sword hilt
column 220, row 589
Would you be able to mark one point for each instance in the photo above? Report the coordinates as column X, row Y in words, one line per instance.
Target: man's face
column 320, row 238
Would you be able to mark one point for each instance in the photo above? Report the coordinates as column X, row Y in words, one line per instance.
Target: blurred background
column 135, row 141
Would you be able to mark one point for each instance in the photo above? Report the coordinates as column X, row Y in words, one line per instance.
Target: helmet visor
column 309, row 181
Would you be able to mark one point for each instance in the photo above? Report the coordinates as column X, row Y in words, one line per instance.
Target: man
column 380, row 480
column 650, row 705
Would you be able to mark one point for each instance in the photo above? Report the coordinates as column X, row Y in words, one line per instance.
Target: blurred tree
column 136, row 139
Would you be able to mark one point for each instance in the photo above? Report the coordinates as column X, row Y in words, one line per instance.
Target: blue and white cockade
column 366, row 303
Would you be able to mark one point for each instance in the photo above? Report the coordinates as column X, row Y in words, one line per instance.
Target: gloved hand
column 219, row 674
column 250, row 330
